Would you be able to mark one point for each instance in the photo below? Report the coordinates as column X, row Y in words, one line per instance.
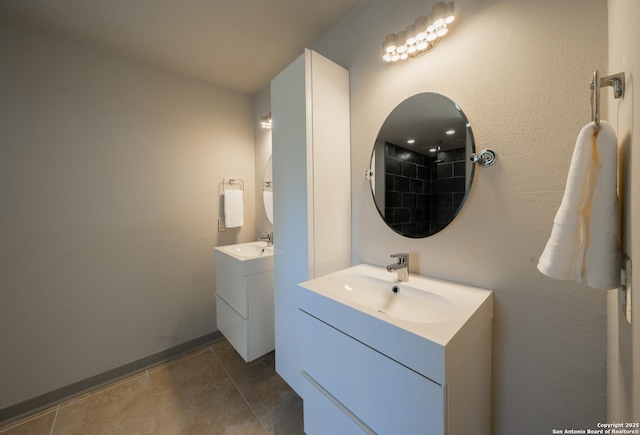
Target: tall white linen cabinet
column 311, row 191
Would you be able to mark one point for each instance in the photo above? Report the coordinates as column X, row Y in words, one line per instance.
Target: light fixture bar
column 420, row 37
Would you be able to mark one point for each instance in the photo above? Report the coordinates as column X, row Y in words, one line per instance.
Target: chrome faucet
column 268, row 237
column 402, row 266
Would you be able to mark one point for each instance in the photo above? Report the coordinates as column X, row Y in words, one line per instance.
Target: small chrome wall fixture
column 420, row 37
column 484, row 157
column 265, row 121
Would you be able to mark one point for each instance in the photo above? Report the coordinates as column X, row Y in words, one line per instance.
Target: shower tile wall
column 451, row 186
column 411, row 178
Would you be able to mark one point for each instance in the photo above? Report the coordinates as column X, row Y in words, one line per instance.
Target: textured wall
column 520, row 71
column 109, row 178
column 624, row 340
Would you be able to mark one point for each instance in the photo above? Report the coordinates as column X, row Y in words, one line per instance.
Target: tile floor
column 209, row 391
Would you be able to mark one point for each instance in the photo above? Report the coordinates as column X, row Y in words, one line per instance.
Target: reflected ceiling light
column 451, row 131
column 410, row 141
column 420, row 37
column 265, row 121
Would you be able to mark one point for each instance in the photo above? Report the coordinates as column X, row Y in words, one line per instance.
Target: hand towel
column 267, row 197
column 583, row 245
column 233, row 209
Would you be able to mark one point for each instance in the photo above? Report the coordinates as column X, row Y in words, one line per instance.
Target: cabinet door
column 387, row 396
column 312, row 201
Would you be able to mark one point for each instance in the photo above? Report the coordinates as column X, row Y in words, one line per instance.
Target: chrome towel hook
column 616, row 81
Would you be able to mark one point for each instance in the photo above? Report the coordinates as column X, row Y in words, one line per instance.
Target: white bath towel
column 233, row 209
column 584, row 245
column 267, row 197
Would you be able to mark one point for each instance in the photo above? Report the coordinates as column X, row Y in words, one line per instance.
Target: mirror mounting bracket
column 484, row 157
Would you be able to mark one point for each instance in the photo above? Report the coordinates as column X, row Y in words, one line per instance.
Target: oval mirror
column 267, row 190
column 421, row 170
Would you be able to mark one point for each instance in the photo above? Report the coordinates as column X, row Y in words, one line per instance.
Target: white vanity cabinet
column 311, row 194
column 376, row 393
column 244, row 300
column 420, row 365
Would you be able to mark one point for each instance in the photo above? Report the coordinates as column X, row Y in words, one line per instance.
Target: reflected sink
column 245, row 258
column 248, row 250
column 399, row 300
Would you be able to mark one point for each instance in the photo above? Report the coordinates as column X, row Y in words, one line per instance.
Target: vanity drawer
column 387, row 396
column 233, row 289
column 322, row 416
column 233, row 326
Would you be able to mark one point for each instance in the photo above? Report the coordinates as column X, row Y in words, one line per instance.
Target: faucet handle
column 402, row 257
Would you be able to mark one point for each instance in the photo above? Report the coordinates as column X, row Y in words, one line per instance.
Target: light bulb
column 451, row 16
column 432, row 37
column 430, row 26
column 390, row 43
column 411, row 34
column 443, row 31
column 404, row 55
column 420, row 26
column 440, row 11
column 402, row 46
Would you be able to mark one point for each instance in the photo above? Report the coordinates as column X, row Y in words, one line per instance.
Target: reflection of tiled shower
column 450, row 180
column 411, row 179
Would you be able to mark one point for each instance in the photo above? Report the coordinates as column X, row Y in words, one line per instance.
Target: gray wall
column 520, row 70
column 109, row 198
column 623, row 361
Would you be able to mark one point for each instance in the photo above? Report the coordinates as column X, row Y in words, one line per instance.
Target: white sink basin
column 398, row 300
column 248, row 250
column 428, row 308
column 245, row 258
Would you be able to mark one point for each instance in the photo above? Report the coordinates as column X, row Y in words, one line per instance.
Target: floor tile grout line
column 125, row 380
column 238, row 390
column 153, row 401
column 177, row 359
column 55, row 419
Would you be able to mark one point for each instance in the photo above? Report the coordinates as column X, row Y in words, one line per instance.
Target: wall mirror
column 267, row 190
column 421, row 169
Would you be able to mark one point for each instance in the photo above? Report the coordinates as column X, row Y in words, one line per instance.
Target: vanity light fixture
column 420, row 37
column 265, row 121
